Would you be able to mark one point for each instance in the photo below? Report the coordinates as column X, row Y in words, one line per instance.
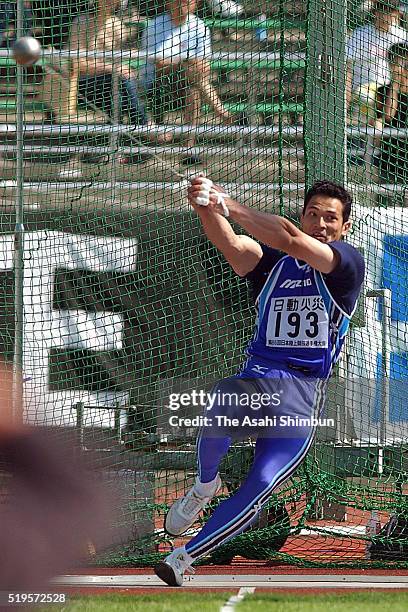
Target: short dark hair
column 397, row 51
column 386, row 6
column 332, row 190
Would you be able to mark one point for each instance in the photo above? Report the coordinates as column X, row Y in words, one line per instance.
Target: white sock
column 206, row 489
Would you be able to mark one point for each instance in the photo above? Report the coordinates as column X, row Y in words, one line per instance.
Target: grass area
column 167, row 602
column 371, row 601
column 366, row 601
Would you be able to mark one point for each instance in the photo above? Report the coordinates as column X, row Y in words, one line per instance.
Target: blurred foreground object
column 52, row 508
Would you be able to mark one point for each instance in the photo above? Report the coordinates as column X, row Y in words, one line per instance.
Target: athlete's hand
column 203, row 193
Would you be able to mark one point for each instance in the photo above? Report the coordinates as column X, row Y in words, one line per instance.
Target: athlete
column 306, row 283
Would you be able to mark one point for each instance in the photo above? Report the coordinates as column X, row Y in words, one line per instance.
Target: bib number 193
column 297, row 322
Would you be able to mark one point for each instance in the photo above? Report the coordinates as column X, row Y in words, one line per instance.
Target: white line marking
column 234, row 599
column 333, row 530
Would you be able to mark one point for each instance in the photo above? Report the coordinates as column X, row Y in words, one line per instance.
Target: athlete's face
column 323, row 219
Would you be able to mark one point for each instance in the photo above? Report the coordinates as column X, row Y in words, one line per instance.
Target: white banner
column 46, row 328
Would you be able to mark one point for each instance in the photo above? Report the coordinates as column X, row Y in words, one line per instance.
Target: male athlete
column 307, row 282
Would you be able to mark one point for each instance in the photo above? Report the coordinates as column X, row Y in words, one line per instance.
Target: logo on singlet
column 293, row 284
column 259, row 369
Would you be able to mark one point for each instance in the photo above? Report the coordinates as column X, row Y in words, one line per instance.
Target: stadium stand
column 250, row 81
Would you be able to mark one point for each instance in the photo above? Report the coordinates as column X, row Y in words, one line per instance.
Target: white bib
column 298, row 322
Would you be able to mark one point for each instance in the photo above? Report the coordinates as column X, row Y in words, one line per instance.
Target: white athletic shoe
column 184, row 512
column 173, row 568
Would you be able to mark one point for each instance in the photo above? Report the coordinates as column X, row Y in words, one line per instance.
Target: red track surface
column 318, row 548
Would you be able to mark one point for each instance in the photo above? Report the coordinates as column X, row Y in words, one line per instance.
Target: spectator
column 367, row 65
column 225, row 8
column 54, row 18
column 221, row 8
column 100, row 32
column 180, row 42
column 8, row 22
column 392, row 111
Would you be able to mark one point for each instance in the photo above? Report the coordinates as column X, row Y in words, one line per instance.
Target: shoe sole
column 166, row 573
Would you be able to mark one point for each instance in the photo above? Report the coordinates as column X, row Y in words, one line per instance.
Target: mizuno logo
column 292, row 284
column 259, row 369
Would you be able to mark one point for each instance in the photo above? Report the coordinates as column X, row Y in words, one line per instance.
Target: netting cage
column 113, row 298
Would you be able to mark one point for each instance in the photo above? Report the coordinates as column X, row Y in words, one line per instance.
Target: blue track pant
column 278, row 452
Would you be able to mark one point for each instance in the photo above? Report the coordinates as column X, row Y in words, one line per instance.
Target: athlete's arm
column 344, row 283
column 279, row 233
column 241, row 252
